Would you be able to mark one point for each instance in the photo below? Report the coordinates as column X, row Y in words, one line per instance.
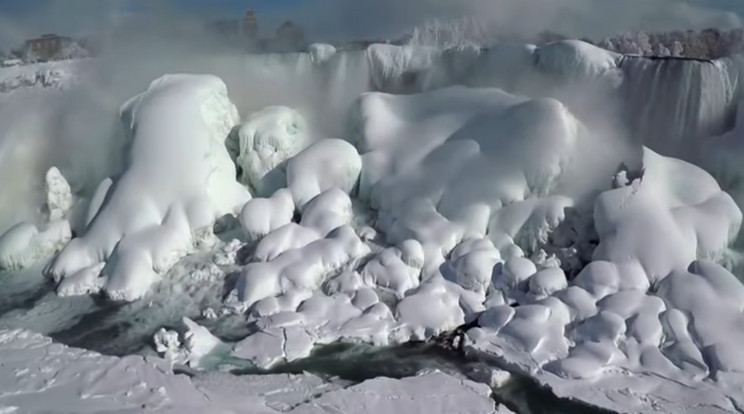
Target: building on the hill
column 250, row 25
column 47, row 47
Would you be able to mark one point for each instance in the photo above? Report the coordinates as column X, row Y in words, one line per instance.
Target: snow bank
column 178, row 181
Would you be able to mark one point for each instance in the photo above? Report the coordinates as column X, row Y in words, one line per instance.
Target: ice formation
column 513, row 207
column 25, row 244
column 179, row 180
column 266, row 140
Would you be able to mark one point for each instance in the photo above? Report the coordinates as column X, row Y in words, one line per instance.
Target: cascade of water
column 670, row 101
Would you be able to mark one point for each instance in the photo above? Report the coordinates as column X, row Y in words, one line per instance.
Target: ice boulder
column 300, row 269
column 261, row 216
column 462, row 163
column 266, row 140
column 471, row 264
column 326, row 164
column 661, row 222
column 389, row 270
column 178, row 180
column 327, row 211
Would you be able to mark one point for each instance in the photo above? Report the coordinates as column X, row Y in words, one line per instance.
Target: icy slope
column 178, row 181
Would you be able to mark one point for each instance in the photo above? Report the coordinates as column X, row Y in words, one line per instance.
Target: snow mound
column 326, row 164
column 647, row 315
column 512, row 153
column 261, row 216
column 304, row 268
column 179, row 180
column 664, row 220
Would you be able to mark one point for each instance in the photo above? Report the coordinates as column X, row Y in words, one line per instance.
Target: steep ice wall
column 179, row 180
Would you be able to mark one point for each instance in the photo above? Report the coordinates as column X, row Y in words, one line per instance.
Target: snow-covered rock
column 326, row 164
column 179, row 180
column 261, row 216
column 25, row 244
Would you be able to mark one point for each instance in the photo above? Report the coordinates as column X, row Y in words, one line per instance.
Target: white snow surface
column 39, row 376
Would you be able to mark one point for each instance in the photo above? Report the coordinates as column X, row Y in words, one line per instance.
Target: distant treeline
column 705, row 44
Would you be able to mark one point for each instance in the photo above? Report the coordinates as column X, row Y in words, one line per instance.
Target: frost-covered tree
column 465, row 32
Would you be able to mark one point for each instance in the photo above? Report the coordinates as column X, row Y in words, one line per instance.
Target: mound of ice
column 461, row 163
column 25, row 244
column 193, row 347
column 266, row 140
column 303, row 269
column 639, row 317
column 261, row 216
column 664, row 220
column 178, row 181
column 326, row 164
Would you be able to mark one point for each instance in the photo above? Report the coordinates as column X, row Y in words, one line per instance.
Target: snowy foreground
column 496, row 191
column 38, row 376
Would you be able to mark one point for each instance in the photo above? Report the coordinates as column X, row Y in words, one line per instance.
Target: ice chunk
column 304, row 268
column 327, row 211
column 326, row 164
column 261, row 216
column 59, row 196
